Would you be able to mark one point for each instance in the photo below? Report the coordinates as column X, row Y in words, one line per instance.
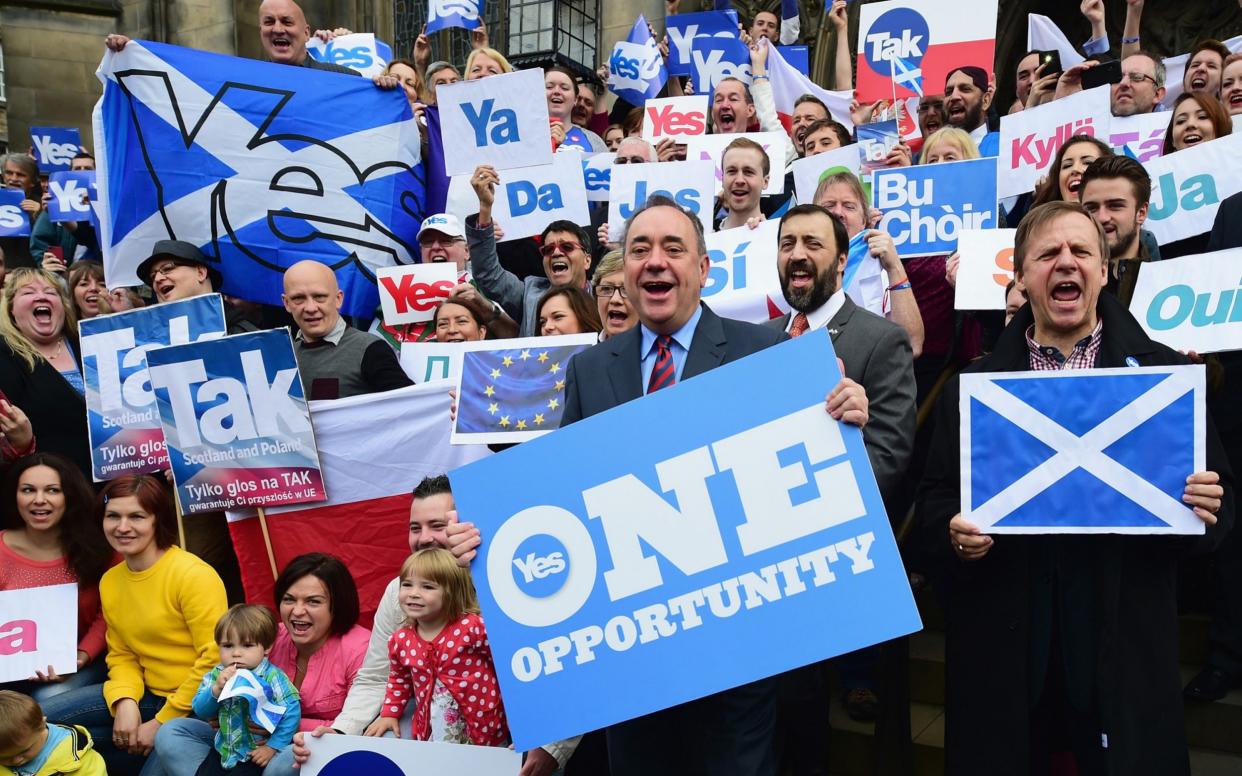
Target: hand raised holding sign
column 484, row 182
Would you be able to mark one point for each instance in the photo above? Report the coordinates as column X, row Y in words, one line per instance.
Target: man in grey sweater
column 334, row 359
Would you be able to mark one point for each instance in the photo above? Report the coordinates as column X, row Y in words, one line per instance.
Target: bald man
column 334, row 359
column 285, row 33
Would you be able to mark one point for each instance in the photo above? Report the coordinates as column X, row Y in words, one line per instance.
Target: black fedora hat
column 180, row 252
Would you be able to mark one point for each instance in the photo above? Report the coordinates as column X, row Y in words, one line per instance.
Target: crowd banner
column 788, row 84
column 809, row 171
column 712, row 148
column 352, row 755
column 927, row 206
column 13, row 220
column 442, row 14
column 530, row 198
column 1043, row 34
column 410, row 294
column 1192, row 302
column 985, row 268
column 717, row 58
column 432, row 362
column 243, row 159
column 500, row 121
column 742, row 281
column 906, row 44
column 71, row 195
column 236, row 423
column 636, row 71
column 691, row 184
column 123, row 423
column 1188, row 187
column 513, row 390
column 684, row 28
column 38, row 628
column 373, row 450
column 55, row 147
column 595, row 577
column 359, row 51
column 1070, row 452
column 597, row 175
column 1030, row 139
column 675, row 117
column 1140, row 136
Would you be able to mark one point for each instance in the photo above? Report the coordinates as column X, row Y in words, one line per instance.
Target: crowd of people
column 1061, row 651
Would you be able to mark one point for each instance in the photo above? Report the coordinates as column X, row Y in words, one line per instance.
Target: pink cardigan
column 17, row 572
column 329, row 674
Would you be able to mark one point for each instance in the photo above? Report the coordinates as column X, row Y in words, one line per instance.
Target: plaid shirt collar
column 1045, row 358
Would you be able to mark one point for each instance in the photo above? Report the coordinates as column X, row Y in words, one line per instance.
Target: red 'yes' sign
column 409, row 294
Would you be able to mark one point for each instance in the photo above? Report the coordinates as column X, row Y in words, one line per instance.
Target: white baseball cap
column 444, row 223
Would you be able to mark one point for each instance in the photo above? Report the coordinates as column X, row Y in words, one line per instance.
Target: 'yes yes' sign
column 122, row 422
column 235, row 417
column 501, row 121
column 684, row 28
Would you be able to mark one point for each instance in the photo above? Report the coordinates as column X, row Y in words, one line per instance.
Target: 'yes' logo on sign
column 410, row 293
column 674, row 117
column 55, row 147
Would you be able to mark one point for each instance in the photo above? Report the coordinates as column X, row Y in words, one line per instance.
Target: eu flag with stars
column 513, row 390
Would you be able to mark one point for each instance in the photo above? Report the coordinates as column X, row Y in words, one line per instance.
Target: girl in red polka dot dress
column 441, row 659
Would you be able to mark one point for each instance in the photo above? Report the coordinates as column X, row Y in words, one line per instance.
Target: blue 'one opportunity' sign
column 674, row 560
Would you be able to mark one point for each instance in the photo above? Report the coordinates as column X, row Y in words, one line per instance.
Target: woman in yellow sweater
column 161, row 606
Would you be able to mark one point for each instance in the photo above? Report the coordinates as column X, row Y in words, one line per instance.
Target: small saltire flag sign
column 513, row 390
column 1083, row 451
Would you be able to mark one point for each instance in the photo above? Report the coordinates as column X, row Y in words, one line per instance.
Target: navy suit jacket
column 610, row 373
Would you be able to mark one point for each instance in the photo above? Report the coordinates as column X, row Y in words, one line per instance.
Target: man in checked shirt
column 1062, row 643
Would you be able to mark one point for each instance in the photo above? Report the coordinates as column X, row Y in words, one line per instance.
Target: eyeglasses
column 1139, row 78
column 629, row 160
column 164, row 269
column 606, row 291
column 564, row 246
column 444, row 240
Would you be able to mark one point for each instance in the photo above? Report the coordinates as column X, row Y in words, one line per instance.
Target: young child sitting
column 245, row 634
column 29, row 746
column 441, row 659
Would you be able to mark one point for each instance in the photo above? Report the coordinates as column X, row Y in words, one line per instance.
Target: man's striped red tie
column 665, row 373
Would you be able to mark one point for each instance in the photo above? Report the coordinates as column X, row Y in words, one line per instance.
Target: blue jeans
column 183, row 744
column 92, row 673
column 86, row 706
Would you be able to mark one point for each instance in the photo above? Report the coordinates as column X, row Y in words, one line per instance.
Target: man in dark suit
column 677, row 338
column 811, row 255
column 812, row 248
column 1062, row 640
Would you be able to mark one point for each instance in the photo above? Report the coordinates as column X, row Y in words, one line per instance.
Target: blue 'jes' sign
column 683, row 28
column 71, row 195
column 55, row 147
column 277, row 164
column 235, row 419
column 1083, row 451
column 13, row 220
column 926, row 206
column 121, row 418
column 702, row 530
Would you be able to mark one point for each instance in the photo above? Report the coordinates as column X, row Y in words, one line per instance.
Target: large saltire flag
column 259, row 164
column 373, row 450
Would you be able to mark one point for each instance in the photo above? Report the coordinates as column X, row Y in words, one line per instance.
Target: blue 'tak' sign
column 709, row 526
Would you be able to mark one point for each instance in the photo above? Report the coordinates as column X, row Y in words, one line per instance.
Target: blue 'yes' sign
column 660, row 560
column 13, row 220
column 55, row 147
column 683, row 28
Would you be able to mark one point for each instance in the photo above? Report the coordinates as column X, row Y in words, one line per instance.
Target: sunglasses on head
column 564, row 246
